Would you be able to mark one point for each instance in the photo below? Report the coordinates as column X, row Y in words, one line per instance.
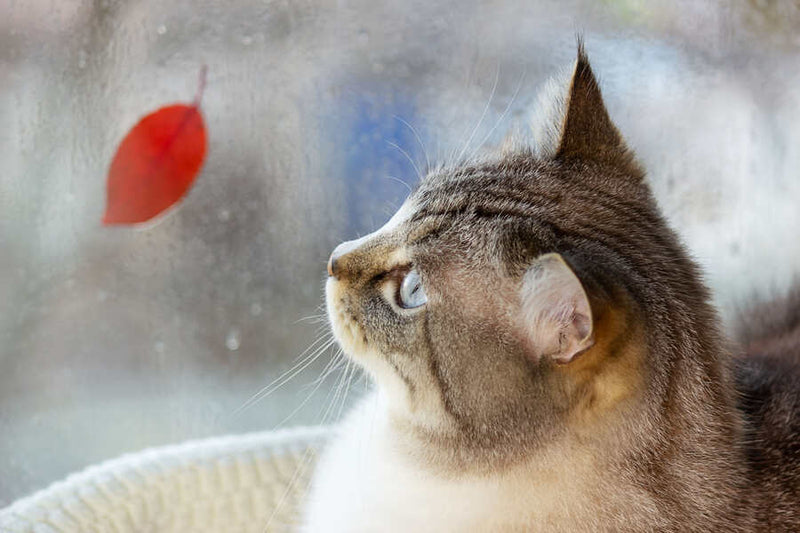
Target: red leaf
column 156, row 163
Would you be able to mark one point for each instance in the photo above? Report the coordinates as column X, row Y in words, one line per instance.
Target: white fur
column 364, row 483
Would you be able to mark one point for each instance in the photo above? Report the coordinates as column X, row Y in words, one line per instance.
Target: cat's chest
column 363, row 484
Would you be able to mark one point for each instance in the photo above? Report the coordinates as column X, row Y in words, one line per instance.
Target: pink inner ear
column 583, row 324
column 556, row 314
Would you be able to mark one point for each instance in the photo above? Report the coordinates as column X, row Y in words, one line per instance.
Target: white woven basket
column 241, row 483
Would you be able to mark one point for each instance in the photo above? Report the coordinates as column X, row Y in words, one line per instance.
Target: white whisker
column 401, row 181
column 410, row 160
column 480, row 121
column 419, row 140
column 331, row 366
column 352, row 369
column 503, row 115
column 303, row 463
column 318, row 384
column 286, row 376
column 311, row 318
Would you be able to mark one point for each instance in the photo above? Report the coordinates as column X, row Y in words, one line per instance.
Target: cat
column 546, row 358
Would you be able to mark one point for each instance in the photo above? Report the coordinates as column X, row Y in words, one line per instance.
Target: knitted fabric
column 239, row 483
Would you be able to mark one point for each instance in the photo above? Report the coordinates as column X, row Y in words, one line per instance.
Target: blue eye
column 411, row 294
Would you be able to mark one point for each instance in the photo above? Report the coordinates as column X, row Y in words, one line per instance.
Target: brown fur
column 768, row 379
column 653, row 405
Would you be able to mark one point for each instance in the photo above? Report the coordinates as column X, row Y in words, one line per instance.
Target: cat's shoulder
column 768, row 388
column 768, row 374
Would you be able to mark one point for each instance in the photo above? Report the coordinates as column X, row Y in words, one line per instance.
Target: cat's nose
column 342, row 257
column 332, row 265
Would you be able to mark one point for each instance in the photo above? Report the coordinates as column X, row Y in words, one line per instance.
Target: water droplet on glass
column 159, row 347
column 363, row 38
column 247, row 40
column 255, row 309
column 162, row 29
column 224, row 215
column 232, row 341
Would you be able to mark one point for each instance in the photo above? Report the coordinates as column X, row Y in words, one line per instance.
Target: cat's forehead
column 513, row 187
column 473, row 214
column 493, row 179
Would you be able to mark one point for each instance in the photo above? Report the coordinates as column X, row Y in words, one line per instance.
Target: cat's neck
column 628, row 402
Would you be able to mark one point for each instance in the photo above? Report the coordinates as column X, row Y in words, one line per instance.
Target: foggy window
column 320, row 117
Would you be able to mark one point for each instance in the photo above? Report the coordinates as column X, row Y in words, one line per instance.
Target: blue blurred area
column 382, row 154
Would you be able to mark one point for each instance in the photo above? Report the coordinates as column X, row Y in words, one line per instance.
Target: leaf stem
column 201, row 86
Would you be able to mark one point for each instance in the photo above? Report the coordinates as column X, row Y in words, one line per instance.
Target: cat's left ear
column 572, row 121
column 556, row 315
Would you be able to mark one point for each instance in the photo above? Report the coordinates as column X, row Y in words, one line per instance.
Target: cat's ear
column 572, row 121
column 556, row 315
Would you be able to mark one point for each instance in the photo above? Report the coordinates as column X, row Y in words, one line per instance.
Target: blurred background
column 319, row 112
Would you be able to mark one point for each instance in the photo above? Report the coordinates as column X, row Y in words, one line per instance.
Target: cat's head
column 489, row 305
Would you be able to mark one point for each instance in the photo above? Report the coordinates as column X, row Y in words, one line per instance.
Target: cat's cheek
column 528, row 347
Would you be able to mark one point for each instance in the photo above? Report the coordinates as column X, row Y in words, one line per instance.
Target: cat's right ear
column 571, row 121
column 556, row 317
